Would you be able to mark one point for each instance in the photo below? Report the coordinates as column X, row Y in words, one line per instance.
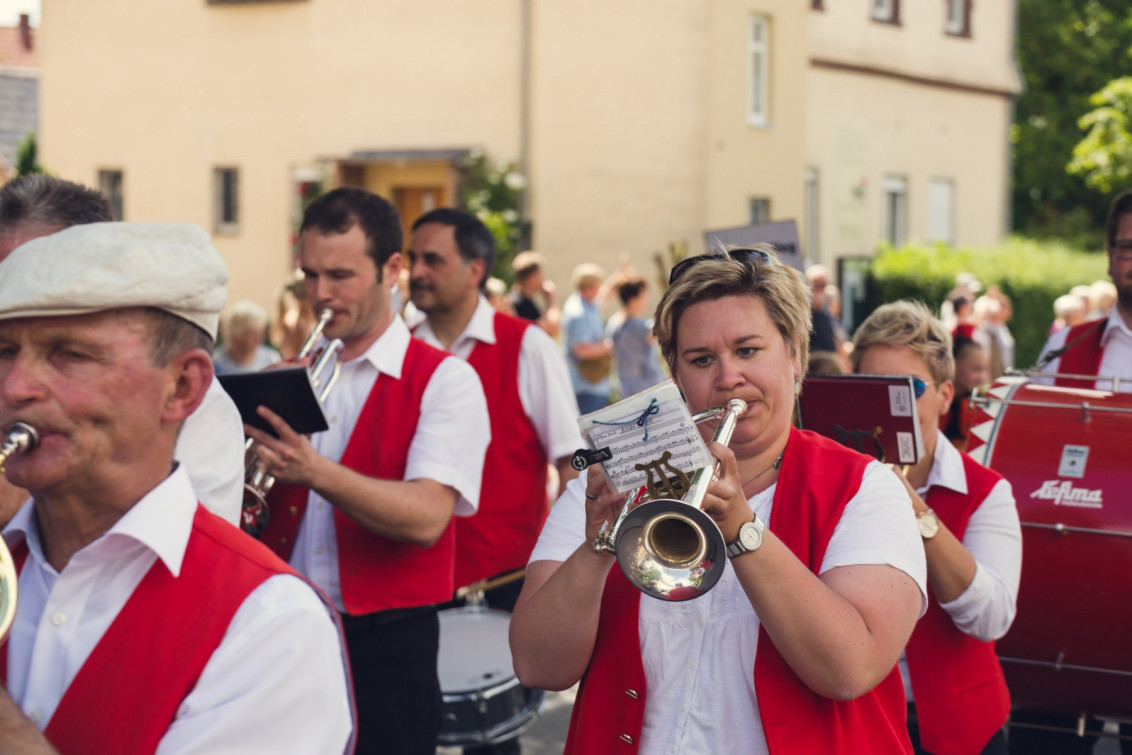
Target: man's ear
column 947, row 394
column 190, row 374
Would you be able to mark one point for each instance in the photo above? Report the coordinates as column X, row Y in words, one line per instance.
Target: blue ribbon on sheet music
column 641, row 421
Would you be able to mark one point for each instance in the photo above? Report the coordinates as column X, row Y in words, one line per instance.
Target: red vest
column 377, row 573
column 961, row 695
column 609, row 712
column 126, row 695
column 502, row 534
column 1082, row 357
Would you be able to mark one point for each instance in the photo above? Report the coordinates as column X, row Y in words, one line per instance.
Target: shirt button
column 58, row 618
column 36, row 716
column 318, row 550
column 691, row 665
column 321, row 505
column 681, row 707
column 700, row 622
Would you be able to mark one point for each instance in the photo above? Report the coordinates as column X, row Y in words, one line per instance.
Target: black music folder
column 873, row 414
column 287, row 391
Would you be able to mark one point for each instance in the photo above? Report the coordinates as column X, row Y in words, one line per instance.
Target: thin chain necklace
column 775, row 465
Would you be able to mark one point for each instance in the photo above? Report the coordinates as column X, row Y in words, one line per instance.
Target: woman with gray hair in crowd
column 794, row 650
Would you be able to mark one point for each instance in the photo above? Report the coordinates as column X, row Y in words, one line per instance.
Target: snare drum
column 1066, row 452
column 483, row 701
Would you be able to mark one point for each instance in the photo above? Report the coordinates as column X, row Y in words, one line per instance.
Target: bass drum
column 1065, row 451
column 483, row 700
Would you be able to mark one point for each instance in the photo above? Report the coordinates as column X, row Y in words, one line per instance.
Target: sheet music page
column 639, row 429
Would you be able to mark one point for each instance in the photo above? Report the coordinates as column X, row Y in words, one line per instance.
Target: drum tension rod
column 1085, row 411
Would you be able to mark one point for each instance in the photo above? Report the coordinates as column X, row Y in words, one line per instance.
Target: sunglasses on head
column 750, row 256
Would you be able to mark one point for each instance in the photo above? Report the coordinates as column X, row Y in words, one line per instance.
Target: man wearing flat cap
column 145, row 623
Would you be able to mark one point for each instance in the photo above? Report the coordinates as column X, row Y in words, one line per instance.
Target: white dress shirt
column 986, row 608
column 1116, row 360
column 276, row 683
column 544, row 382
column 211, row 448
column 699, row 655
column 448, row 446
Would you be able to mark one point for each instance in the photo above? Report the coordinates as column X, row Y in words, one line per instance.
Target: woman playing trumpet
column 795, row 649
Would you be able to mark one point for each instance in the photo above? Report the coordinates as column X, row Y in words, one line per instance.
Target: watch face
column 929, row 524
column 750, row 536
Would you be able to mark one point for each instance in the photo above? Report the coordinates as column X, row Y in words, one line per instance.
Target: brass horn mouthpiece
column 21, row 437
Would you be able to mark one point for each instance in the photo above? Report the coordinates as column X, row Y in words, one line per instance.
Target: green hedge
column 1032, row 273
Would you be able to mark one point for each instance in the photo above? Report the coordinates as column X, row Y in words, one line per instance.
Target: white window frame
column 941, row 210
column 894, row 190
column 758, row 210
column 226, row 217
column 758, row 78
column 813, row 216
column 958, row 21
column 884, row 10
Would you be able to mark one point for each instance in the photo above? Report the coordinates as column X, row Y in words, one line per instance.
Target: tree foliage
column 1104, row 156
column 1068, row 50
column 27, row 156
column 492, row 191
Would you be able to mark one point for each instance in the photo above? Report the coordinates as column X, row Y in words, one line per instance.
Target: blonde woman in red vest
column 973, row 542
column 795, row 649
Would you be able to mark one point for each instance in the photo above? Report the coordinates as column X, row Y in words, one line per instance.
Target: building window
column 758, row 209
column 110, row 184
column 817, row 5
column 226, row 194
column 941, row 203
column 958, row 18
column 895, row 210
column 886, row 11
column 811, row 219
column 758, row 87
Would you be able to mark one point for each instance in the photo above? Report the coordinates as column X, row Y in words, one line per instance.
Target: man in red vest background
column 144, row 622
column 364, row 509
column 1101, row 347
column 529, row 398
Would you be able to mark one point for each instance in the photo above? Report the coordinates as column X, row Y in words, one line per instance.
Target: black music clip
column 584, row 457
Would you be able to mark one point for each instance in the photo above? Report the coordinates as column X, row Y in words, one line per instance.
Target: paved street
column 548, row 735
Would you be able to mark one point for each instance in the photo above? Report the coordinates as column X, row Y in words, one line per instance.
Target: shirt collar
column 480, row 327
column 387, row 353
column 947, row 467
column 1115, row 323
column 161, row 521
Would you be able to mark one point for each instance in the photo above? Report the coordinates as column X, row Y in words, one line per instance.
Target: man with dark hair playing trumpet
column 367, row 511
column 145, row 623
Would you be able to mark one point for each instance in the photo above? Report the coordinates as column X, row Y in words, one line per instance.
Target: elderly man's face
column 87, row 384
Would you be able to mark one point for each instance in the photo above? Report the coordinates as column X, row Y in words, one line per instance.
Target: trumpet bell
column 670, row 550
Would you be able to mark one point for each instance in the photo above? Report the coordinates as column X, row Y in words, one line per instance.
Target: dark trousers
column 502, row 598
column 1027, row 740
column 396, row 688
column 996, row 745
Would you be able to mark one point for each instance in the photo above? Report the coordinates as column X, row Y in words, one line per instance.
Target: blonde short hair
column 907, row 325
column 782, row 290
column 587, row 274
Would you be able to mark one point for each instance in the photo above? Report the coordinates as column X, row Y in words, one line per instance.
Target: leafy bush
column 1032, row 273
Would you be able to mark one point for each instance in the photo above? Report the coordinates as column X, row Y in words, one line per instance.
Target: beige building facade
column 910, row 106
column 637, row 124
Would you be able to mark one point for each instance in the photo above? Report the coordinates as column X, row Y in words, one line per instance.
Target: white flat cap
column 101, row 266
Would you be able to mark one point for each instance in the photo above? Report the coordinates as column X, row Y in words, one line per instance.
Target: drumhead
column 474, row 650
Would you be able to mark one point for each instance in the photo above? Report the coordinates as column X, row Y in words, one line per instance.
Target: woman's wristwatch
column 750, row 538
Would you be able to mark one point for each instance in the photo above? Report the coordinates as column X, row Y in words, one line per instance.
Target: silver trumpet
column 254, row 514
column 20, row 438
column 668, row 547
